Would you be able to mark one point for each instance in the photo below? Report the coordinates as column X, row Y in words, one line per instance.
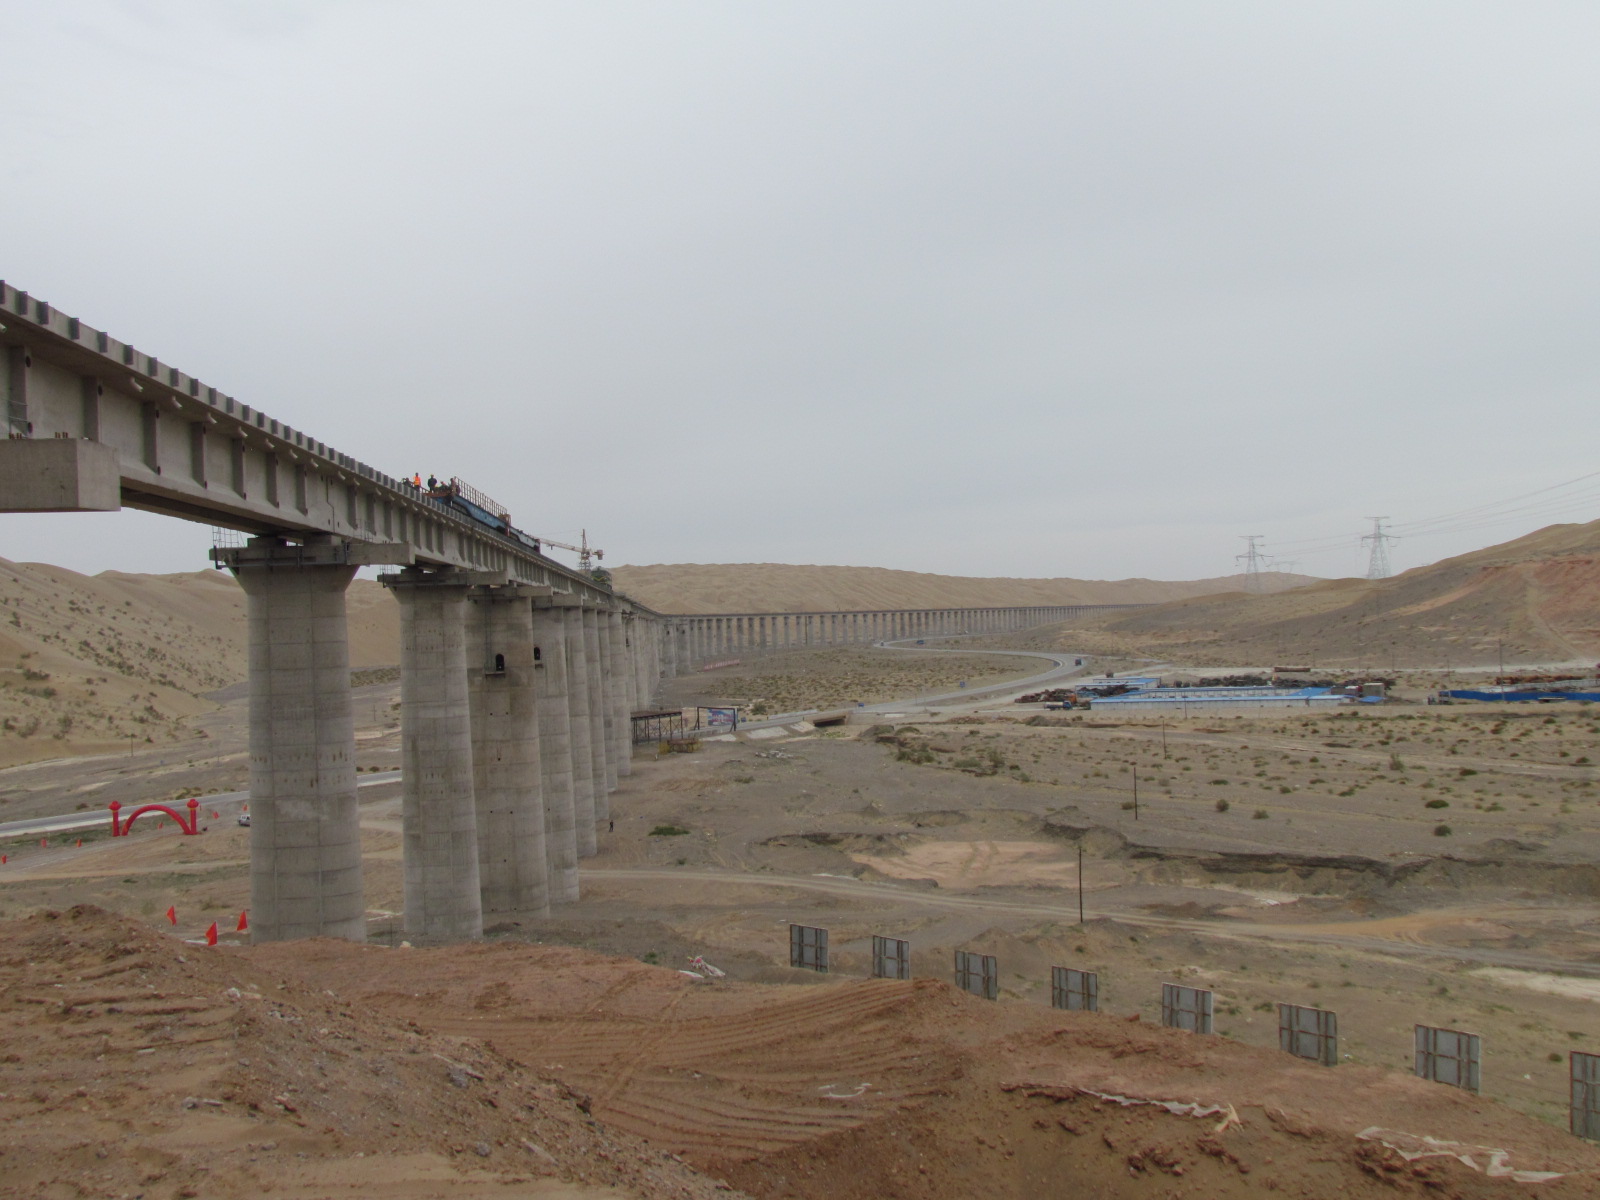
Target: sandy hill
column 783, row 587
column 1534, row 599
column 86, row 662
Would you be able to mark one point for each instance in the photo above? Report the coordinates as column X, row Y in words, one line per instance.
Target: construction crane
column 585, row 552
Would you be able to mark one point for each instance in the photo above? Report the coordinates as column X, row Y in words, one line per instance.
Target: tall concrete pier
column 442, row 888
column 579, row 691
column 603, row 769
column 305, row 859
column 555, row 750
column 507, row 780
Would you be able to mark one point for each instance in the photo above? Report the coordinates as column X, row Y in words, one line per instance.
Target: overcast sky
column 1081, row 289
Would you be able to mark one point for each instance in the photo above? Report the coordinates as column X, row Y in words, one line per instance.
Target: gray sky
column 1068, row 288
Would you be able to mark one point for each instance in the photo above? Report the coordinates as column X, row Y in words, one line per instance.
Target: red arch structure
column 190, row 826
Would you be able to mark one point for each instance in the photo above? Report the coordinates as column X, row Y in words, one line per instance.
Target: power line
column 1487, row 507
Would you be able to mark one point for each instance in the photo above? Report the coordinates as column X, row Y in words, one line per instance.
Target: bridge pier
column 443, row 898
column 601, row 766
column 305, row 837
column 624, row 681
column 579, row 697
column 513, row 875
column 555, row 749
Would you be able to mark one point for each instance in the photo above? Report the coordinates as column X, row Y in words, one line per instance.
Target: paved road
column 879, row 892
column 1063, row 665
column 220, row 802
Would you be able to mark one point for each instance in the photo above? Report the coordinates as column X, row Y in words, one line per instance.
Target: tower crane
column 585, row 552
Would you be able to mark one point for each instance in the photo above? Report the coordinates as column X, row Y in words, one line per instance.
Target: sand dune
column 784, row 587
column 89, row 662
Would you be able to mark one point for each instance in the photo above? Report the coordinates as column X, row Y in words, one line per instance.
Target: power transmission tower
column 1378, row 560
column 1252, row 559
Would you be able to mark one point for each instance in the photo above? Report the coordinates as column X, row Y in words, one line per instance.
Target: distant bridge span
column 690, row 640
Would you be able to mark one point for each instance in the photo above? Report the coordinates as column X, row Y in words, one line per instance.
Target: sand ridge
column 788, row 587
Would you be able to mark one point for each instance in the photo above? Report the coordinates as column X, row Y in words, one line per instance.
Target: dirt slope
column 89, row 662
column 870, row 1088
column 783, row 587
column 137, row 1065
column 1534, row 599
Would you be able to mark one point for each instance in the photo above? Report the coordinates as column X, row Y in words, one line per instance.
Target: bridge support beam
column 442, row 893
column 513, row 875
column 305, row 839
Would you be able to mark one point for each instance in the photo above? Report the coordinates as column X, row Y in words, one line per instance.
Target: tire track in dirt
column 689, row 1074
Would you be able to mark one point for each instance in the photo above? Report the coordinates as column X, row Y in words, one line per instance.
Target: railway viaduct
column 518, row 674
column 688, row 641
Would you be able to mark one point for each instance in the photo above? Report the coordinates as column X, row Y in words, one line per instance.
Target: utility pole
column 1135, row 791
column 1252, row 559
column 1080, row 881
column 1378, row 559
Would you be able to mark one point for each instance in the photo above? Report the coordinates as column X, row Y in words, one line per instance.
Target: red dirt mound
column 867, row 1088
column 133, row 1064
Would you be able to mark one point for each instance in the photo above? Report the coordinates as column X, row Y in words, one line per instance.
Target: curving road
column 1063, row 665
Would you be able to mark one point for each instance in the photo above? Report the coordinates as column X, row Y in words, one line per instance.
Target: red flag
column 3, row 858
column 44, row 841
column 244, row 923
column 172, row 914
column 211, row 935
column 80, row 843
